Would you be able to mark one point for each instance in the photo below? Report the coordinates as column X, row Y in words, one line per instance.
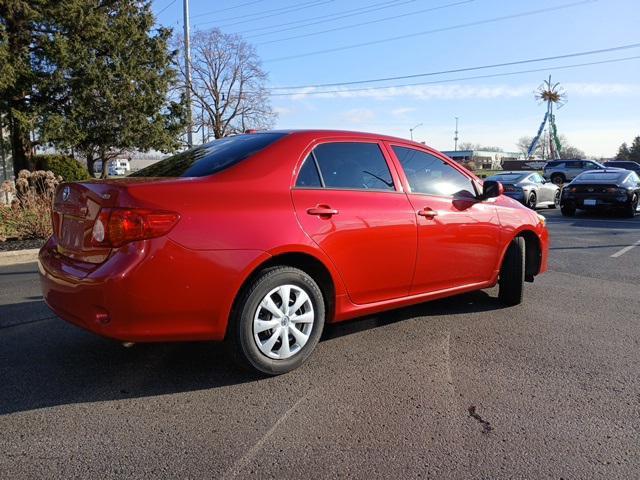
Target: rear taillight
column 116, row 226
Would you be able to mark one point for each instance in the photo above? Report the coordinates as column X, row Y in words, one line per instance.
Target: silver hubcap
column 283, row 322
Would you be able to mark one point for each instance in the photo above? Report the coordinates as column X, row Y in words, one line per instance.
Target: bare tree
column 228, row 85
column 477, row 146
column 524, row 143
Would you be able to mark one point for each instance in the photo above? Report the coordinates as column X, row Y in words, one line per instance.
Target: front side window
column 429, row 174
column 352, row 165
column 633, row 179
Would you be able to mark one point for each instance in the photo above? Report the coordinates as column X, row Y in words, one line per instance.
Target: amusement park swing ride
column 554, row 96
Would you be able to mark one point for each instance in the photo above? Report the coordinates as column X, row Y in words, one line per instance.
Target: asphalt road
column 458, row 388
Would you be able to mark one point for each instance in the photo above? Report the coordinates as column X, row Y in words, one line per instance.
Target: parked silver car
column 529, row 188
column 563, row 171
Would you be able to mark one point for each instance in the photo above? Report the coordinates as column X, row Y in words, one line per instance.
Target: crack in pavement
column 486, row 426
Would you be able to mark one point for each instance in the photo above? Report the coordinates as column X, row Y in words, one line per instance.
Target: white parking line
column 624, row 250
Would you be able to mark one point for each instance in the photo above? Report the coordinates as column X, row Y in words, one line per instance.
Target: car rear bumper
column 597, row 202
column 154, row 290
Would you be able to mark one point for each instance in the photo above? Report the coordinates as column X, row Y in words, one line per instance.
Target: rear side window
column 352, row 165
column 574, row 164
column 429, row 174
column 211, row 157
column 309, row 176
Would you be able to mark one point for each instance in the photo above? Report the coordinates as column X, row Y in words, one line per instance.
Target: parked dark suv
column 562, row 171
column 626, row 164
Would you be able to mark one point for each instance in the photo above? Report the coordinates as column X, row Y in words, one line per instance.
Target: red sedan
column 262, row 238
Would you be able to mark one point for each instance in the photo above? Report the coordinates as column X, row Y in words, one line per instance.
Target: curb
column 19, row 256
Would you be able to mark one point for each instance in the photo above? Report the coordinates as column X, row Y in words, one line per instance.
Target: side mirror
column 491, row 189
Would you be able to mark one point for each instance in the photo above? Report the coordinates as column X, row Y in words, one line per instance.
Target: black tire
column 633, row 207
column 568, row 211
column 556, row 200
column 511, row 283
column 240, row 335
column 558, row 178
column 532, row 201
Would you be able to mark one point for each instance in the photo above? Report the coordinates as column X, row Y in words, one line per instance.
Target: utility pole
column 187, row 69
column 412, row 129
column 455, row 139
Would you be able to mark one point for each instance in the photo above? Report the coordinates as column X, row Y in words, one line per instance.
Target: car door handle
column 427, row 212
column 322, row 211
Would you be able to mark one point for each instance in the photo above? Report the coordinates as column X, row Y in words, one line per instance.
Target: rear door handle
column 427, row 212
column 322, row 211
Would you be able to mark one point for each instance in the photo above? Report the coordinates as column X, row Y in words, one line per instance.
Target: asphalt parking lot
column 458, row 388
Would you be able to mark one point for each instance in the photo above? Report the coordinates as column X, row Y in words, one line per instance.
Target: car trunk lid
column 76, row 208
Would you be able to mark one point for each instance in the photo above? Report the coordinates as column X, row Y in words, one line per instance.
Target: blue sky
column 603, row 107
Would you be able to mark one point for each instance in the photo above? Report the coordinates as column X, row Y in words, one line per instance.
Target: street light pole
column 455, row 139
column 412, row 129
column 187, row 68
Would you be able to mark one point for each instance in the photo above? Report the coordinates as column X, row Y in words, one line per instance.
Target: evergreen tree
column 118, row 74
column 623, row 152
column 634, row 151
column 19, row 46
column 88, row 76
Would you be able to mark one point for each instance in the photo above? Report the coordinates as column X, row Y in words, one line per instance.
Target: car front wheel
column 558, row 178
column 278, row 321
column 511, row 283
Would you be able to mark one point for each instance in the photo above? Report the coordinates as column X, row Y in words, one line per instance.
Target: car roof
column 345, row 134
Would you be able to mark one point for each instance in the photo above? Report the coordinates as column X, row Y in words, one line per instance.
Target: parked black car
column 602, row 189
column 626, row 164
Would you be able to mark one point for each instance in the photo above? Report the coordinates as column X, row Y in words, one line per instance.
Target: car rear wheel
column 558, row 178
column 568, row 211
column 556, row 200
column 532, row 200
column 511, row 283
column 278, row 321
column 633, row 206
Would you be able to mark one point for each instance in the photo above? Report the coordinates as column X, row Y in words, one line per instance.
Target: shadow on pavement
column 47, row 362
column 472, row 302
column 611, row 220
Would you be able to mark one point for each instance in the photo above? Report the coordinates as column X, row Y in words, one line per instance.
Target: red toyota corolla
column 260, row 239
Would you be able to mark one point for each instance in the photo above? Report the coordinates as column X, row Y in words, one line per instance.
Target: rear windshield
column 211, row 157
column 599, row 176
column 508, row 177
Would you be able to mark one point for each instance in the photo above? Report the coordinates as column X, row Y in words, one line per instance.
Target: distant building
column 483, row 159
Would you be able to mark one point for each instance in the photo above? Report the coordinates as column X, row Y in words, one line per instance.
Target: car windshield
column 508, row 177
column 599, row 176
column 211, row 157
